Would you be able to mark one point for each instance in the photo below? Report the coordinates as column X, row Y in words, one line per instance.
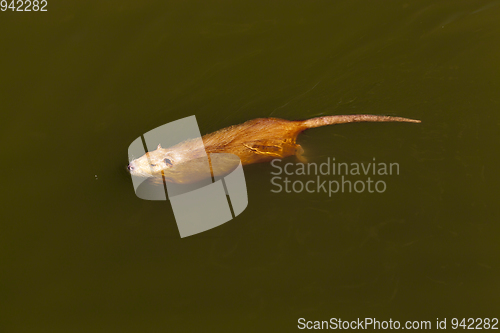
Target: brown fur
column 264, row 139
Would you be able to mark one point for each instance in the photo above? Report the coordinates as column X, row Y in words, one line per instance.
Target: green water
column 79, row 252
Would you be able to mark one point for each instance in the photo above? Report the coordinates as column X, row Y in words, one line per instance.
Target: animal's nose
column 130, row 167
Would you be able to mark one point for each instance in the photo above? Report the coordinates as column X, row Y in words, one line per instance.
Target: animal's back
column 256, row 140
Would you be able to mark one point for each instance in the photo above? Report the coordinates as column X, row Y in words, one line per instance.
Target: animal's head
column 152, row 163
column 182, row 164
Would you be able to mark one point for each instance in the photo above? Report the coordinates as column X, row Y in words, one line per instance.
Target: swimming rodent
column 254, row 141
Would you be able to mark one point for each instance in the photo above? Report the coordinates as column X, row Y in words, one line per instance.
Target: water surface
column 79, row 252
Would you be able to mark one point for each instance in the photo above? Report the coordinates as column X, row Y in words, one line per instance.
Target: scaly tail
column 354, row 118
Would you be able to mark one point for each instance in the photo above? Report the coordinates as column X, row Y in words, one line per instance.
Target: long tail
column 354, row 118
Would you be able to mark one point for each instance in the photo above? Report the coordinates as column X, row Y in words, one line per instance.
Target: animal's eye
column 167, row 161
column 153, row 164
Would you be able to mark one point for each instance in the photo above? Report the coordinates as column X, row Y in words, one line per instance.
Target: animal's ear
column 159, row 146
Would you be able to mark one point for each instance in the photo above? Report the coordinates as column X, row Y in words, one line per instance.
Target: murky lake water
column 81, row 253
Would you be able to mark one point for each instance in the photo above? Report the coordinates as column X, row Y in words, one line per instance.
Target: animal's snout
column 130, row 167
